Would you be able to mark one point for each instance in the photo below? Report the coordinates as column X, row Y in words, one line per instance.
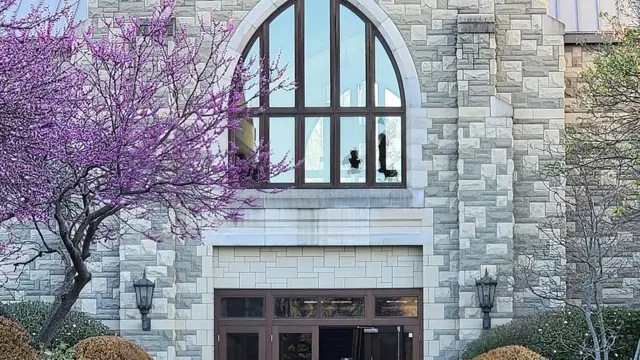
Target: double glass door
column 317, row 343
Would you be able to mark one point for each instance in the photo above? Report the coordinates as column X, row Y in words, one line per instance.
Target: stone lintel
column 476, row 23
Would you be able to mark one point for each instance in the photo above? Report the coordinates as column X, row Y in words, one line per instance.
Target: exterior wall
column 485, row 85
column 41, row 279
column 317, row 267
column 530, row 77
column 624, row 289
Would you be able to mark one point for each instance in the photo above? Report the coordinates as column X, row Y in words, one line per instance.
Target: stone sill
column 583, row 38
column 418, row 236
column 338, row 198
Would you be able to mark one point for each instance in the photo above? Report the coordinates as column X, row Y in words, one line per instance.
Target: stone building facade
column 483, row 95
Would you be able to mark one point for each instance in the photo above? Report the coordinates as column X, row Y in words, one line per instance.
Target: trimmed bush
column 109, row 348
column 548, row 334
column 14, row 342
column 510, row 353
column 74, row 328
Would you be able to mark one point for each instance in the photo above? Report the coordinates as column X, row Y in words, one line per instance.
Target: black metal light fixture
column 144, row 299
column 486, row 287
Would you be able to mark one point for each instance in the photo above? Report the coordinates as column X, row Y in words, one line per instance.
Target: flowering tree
column 144, row 133
column 36, row 88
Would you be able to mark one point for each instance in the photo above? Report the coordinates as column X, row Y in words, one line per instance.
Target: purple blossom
column 121, row 119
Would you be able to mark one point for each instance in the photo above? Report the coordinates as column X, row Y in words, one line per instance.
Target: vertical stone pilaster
column 137, row 254
column 485, row 173
column 531, row 78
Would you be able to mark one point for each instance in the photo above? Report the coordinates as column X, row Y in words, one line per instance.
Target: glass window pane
column 385, row 345
column 406, row 306
column 353, row 141
column 343, row 307
column 389, row 149
column 252, row 86
column 242, row 307
column 247, row 140
column 317, row 150
column 282, row 141
column 294, row 346
column 387, row 90
column 317, row 60
column 352, row 59
column 243, row 346
column 282, row 44
column 246, row 137
column 295, row 307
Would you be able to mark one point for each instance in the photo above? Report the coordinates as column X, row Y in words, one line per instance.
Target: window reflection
column 352, row 59
column 251, row 88
column 282, row 141
column 317, row 53
column 387, row 89
column 406, row 306
column 389, row 149
column 343, row 307
column 353, row 131
column 247, row 140
column 282, row 44
column 295, row 346
column 287, row 307
column 367, row 120
column 317, row 151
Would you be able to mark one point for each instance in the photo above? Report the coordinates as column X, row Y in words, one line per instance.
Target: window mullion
column 335, row 150
column 299, row 55
column 335, row 54
column 299, row 95
column 370, row 65
column 265, row 79
column 371, row 150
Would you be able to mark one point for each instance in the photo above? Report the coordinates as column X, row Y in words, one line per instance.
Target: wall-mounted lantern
column 486, row 287
column 144, row 299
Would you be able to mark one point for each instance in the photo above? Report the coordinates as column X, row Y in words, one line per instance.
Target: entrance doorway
column 318, row 325
column 368, row 343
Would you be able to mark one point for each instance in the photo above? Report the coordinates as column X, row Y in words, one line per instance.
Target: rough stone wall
column 624, row 289
column 485, row 170
column 39, row 280
column 530, row 77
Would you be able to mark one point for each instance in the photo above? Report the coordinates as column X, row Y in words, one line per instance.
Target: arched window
column 346, row 117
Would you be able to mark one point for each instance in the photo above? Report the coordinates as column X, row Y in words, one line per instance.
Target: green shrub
column 76, row 327
column 549, row 333
column 60, row 352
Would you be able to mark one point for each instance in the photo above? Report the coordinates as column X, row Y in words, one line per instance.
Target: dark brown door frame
column 221, row 346
column 272, row 325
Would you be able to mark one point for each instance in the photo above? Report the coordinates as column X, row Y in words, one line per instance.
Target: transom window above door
column 346, row 117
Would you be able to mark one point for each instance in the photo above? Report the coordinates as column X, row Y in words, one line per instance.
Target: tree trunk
column 594, row 335
column 59, row 310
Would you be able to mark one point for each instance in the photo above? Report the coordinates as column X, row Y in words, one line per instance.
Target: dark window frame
column 334, row 112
